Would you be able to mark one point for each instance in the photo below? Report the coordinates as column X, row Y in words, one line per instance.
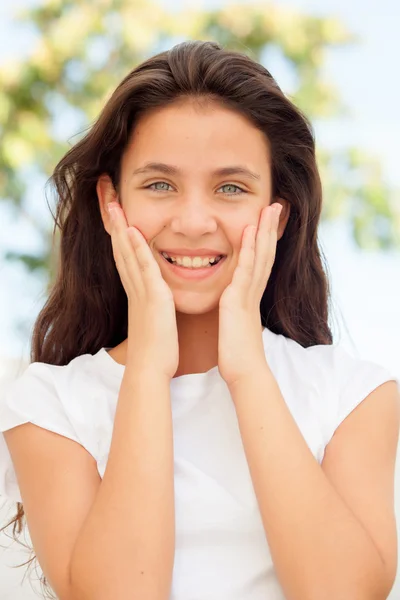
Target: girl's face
column 190, row 205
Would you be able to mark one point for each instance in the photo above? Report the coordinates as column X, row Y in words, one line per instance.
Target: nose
column 194, row 217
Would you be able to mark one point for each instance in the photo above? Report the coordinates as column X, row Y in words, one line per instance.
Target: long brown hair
column 295, row 302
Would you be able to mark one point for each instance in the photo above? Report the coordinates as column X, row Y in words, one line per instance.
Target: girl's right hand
column 152, row 330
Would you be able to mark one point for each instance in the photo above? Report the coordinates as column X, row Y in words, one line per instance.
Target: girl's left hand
column 240, row 343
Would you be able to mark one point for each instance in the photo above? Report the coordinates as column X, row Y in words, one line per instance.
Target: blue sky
column 367, row 78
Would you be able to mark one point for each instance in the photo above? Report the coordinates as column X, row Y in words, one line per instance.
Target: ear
column 105, row 193
column 284, row 216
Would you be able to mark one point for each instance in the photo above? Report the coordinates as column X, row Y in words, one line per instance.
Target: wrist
column 247, row 379
column 145, row 372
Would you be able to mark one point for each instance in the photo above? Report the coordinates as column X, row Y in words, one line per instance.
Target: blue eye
column 225, row 185
column 155, row 183
column 235, row 186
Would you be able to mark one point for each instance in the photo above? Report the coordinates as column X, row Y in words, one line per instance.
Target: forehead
column 187, row 133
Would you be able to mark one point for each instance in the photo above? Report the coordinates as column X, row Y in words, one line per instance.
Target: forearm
column 126, row 546
column 319, row 548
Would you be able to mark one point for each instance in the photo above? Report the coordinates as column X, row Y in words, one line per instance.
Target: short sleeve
column 345, row 381
column 33, row 398
column 356, row 378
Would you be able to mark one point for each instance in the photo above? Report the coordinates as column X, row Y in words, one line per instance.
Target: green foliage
column 84, row 49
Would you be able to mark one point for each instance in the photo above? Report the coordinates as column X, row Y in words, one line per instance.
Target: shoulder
column 76, row 401
column 327, row 380
column 84, row 369
column 329, row 364
column 352, row 377
column 69, row 399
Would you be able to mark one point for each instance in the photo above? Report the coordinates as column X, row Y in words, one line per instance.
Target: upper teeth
column 194, row 261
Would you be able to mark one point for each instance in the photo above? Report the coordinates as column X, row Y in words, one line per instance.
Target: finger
column 124, row 254
column 273, row 239
column 243, row 273
column 265, row 247
column 137, row 256
column 147, row 264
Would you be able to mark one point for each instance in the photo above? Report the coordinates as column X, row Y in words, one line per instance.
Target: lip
column 188, row 252
column 192, row 274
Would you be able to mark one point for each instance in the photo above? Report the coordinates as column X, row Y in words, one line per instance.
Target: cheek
column 148, row 223
column 236, row 236
column 236, row 231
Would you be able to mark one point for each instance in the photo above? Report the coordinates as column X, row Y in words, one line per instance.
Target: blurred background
column 337, row 60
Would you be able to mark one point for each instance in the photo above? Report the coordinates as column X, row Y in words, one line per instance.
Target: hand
column 240, row 344
column 152, row 330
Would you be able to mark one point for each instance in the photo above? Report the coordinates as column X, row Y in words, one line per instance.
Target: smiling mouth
column 208, row 266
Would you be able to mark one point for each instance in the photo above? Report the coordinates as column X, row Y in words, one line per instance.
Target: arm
column 319, row 548
column 126, row 546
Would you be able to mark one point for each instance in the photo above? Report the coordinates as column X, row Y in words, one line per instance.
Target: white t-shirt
column 221, row 551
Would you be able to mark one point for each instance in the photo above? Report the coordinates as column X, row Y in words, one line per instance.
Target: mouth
column 189, row 272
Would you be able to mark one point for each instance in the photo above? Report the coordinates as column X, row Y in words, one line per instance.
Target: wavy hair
column 295, row 302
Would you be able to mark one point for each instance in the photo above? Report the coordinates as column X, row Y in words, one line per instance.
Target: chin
column 191, row 303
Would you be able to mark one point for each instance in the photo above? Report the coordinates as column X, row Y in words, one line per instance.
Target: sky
column 365, row 75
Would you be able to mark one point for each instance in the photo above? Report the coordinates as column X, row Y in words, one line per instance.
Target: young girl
column 186, row 429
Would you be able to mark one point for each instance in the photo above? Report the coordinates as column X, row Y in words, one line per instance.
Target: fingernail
column 111, row 210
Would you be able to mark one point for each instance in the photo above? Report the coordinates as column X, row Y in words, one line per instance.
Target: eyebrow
column 172, row 170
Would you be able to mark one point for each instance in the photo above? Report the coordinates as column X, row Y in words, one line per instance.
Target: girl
column 186, row 428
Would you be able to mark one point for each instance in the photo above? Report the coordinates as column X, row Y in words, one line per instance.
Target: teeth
column 195, row 262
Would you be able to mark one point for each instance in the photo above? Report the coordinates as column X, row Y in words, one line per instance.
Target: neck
column 198, row 342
